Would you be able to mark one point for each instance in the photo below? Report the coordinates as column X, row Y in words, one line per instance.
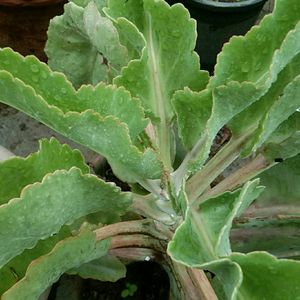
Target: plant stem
column 146, row 206
column 193, row 283
column 201, row 180
column 159, row 98
column 137, row 240
column 146, row 227
column 185, row 283
column 247, row 172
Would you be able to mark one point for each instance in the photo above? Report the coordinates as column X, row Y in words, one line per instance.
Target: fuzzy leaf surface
column 17, row 173
column 282, row 184
column 46, row 270
column 106, row 135
column 106, row 268
column 85, row 45
column 57, row 91
column 280, row 277
column 206, row 228
column 43, row 208
column 16, row 268
column 240, row 61
column 247, row 93
column 162, row 68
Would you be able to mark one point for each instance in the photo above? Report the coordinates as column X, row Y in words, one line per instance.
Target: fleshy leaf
column 281, row 183
column 106, row 268
column 85, row 45
column 57, row 91
column 162, row 70
column 280, row 277
column 43, row 208
column 107, row 136
column 206, row 228
column 193, row 123
column 280, row 111
column 16, row 268
column 272, row 222
column 67, row 254
column 16, row 173
column 240, row 61
column 244, row 94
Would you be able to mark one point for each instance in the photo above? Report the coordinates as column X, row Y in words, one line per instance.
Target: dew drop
column 63, row 91
column 176, row 33
column 245, row 68
column 34, row 68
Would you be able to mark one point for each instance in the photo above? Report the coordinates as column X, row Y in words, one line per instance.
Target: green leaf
column 280, row 111
column 281, row 183
column 248, row 58
column 280, row 278
column 228, row 277
column 43, row 208
column 193, row 109
column 85, row 45
column 272, row 222
column 17, row 172
column 67, row 254
column 106, row 268
column 206, row 228
column 56, row 90
column 107, row 136
column 163, row 68
column 16, row 268
column 246, row 86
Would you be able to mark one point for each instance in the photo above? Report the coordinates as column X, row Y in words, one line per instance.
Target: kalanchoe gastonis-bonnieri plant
column 139, row 99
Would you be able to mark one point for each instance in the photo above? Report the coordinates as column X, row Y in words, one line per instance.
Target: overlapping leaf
column 206, row 228
column 52, row 100
column 67, row 254
column 240, row 277
column 16, row 268
column 248, row 58
column 163, row 68
column 16, row 173
column 284, row 142
column 267, row 85
column 43, row 208
column 90, row 50
column 106, row 268
column 282, row 184
column 280, row 277
column 272, row 222
column 57, row 91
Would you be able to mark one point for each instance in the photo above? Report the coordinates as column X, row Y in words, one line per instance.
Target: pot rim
column 216, row 4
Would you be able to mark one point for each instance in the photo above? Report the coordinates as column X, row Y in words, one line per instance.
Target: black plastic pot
column 217, row 22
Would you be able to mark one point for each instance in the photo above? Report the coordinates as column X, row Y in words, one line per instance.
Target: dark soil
column 149, row 278
column 24, row 28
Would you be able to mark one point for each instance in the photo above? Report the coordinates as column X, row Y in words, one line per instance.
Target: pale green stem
column 201, row 180
column 146, row 206
column 159, row 97
column 244, row 174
